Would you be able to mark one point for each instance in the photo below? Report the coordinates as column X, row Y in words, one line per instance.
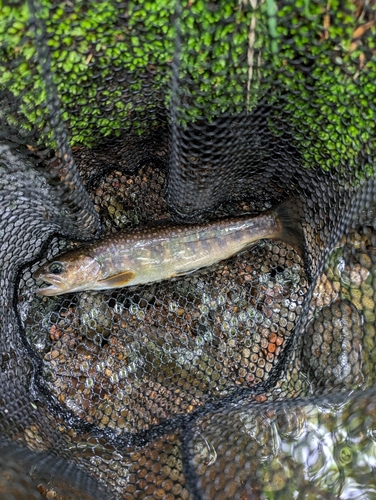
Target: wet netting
column 251, row 378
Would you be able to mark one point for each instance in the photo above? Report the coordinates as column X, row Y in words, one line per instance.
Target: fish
column 147, row 255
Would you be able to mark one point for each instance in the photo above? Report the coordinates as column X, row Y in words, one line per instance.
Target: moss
column 101, row 59
column 324, row 88
column 112, row 66
column 110, row 62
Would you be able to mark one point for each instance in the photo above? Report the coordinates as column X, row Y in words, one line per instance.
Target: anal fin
column 118, row 280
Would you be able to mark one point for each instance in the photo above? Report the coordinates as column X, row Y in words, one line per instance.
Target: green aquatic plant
column 112, row 67
column 323, row 83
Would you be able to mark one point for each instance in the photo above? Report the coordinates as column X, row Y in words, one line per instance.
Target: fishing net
column 251, row 379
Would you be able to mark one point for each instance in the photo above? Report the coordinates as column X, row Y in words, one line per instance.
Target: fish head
column 69, row 272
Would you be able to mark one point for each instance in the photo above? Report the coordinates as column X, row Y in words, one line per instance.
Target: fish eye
column 56, row 268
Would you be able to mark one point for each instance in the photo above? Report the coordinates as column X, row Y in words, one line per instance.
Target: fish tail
column 289, row 221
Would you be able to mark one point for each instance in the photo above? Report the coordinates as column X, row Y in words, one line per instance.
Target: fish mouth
column 57, row 285
column 49, row 291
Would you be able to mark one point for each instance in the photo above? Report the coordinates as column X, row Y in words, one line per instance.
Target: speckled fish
column 148, row 255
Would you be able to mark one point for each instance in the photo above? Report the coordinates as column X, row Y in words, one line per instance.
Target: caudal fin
column 289, row 220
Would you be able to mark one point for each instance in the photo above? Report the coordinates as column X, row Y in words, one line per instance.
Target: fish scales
column 180, row 249
column 155, row 254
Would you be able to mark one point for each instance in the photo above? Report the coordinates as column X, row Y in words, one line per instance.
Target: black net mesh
column 253, row 378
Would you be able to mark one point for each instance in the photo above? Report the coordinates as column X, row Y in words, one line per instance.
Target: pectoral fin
column 118, row 280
